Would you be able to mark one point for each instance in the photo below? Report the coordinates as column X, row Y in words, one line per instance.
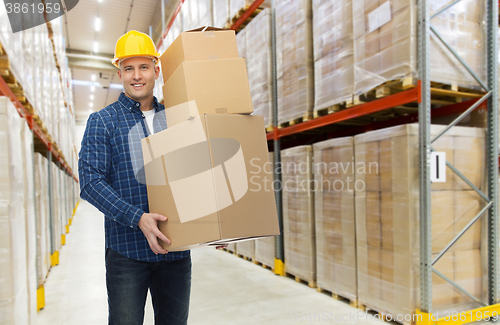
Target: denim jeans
column 128, row 281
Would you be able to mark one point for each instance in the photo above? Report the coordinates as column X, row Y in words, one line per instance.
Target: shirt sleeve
column 94, row 167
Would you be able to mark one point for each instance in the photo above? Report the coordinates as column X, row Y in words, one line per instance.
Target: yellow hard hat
column 134, row 43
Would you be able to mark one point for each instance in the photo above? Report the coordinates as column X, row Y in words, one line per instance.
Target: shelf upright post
column 424, row 110
column 492, row 149
column 280, row 251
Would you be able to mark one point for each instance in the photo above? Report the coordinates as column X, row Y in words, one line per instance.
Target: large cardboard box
column 207, row 176
column 211, row 44
column 217, row 86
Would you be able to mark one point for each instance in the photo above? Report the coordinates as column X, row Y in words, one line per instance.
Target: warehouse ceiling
column 90, row 49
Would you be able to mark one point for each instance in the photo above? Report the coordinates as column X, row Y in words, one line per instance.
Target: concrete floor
column 225, row 289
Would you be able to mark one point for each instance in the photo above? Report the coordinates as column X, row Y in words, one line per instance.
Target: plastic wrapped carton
column 334, row 216
column 258, row 34
column 387, row 219
column 295, row 59
column 298, row 213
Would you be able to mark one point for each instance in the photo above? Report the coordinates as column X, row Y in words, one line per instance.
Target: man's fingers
column 159, row 217
column 155, row 246
column 160, row 235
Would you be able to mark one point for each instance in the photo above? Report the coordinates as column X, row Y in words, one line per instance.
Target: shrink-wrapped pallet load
column 13, row 255
column 220, row 12
column 294, row 59
column 385, row 42
column 258, row 34
column 246, row 249
column 334, row 216
column 265, row 248
column 29, row 215
column 333, row 52
column 42, row 214
column 237, row 7
column 298, row 214
column 205, row 13
column 387, row 219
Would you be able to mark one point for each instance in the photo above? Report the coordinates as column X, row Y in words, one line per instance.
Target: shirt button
column 137, row 104
column 132, row 227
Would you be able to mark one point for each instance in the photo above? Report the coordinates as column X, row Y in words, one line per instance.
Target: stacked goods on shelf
column 30, row 217
column 42, row 217
column 333, row 52
column 334, row 216
column 294, row 59
column 237, row 7
column 186, row 15
column 385, row 42
column 387, row 219
column 241, row 41
column 36, row 67
column 205, row 12
column 298, row 213
column 220, row 12
column 246, row 248
column 258, row 36
column 13, row 254
column 265, row 247
column 56, row 209
column 232, row 247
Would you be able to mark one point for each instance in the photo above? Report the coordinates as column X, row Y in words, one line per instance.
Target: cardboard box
column 217, row 86
column 211, row 44
column 207, row 176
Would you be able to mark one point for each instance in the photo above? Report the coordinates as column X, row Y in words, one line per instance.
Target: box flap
column 205, row 29
column 181, row 113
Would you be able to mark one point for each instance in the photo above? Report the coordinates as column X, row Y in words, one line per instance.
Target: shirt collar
column 134, row 106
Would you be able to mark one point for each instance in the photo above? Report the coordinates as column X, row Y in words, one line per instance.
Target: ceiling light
column 96, row 47
column 91, row 104
column 97, row 24
column 92, row 97
column 93, row 77
column 92, row 88
column 99, row 1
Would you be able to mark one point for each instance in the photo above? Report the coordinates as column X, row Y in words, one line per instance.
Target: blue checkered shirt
column 107, row 178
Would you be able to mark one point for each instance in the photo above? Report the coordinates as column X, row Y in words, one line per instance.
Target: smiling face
column 138, row 75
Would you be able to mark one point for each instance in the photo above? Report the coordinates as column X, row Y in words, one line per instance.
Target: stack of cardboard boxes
column 333, row 52
column 298, row 213
column 334, row 216
column 294, row 50
column 385, row 42
column 387, row 219
column 205, row 172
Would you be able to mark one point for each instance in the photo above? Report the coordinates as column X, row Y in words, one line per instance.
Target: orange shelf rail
column 7, row 92
column 170, row 23
column 405, row 97
column 246, row 14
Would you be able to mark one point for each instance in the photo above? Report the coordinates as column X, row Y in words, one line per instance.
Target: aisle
column 225, row 289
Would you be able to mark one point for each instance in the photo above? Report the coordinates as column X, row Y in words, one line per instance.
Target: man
column 135, row 262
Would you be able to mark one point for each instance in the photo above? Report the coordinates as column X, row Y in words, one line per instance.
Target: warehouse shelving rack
column 45, row 146
column 420, row 94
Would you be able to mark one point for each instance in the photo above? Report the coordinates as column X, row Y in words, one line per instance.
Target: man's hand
column 149, row 226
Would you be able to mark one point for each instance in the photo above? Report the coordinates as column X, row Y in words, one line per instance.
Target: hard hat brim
column 116, row 61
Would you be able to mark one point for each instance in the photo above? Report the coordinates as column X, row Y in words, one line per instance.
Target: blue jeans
column 128, row 281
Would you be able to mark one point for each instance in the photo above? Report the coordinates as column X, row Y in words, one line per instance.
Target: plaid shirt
column 107, row 178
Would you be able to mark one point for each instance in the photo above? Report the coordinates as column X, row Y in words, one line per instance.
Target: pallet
column 233, row 19
column 386, row 317
column 306, row 117
column 269, row 128
column 351, row 302
column 265, row 266
column 310, row 283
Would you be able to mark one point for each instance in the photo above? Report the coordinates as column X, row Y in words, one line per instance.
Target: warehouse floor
column 225, row 289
